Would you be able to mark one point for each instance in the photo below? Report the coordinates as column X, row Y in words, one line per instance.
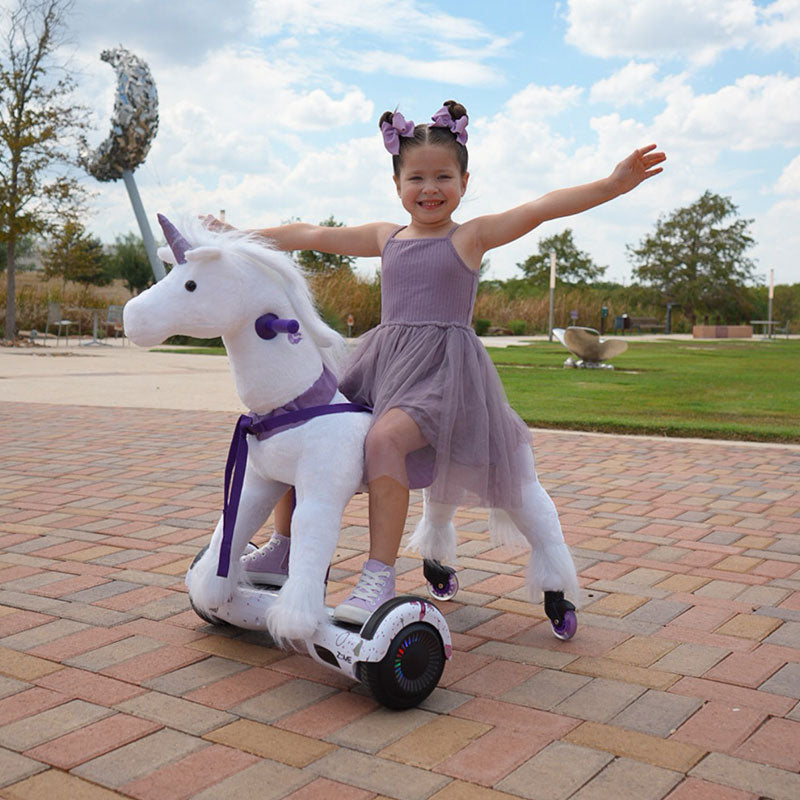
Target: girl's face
column 430, row 184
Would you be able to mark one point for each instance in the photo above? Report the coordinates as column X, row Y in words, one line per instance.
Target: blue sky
column 269, row 108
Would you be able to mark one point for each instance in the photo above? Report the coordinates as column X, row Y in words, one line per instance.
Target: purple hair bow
column 442, row 119
column 392, row 131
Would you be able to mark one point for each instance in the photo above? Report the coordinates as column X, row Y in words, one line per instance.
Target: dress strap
column 391, row 236
column 452, row 231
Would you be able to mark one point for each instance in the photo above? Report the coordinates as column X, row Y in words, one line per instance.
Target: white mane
column 240, row 245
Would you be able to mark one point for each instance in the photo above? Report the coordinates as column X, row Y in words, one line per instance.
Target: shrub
column 481, row 326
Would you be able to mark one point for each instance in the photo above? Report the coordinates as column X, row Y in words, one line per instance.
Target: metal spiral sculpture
column 134, row 123
column 133, row 128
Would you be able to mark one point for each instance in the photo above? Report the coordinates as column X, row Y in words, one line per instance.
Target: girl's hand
column 637, row 167
column 213, row 224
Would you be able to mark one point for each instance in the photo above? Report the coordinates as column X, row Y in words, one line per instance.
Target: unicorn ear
column 203, row 253
column 165, row 254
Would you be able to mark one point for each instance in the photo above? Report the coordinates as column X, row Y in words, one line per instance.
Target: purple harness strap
column 237, row 461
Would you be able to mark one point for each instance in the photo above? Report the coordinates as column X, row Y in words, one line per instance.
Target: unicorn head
column 219, row 285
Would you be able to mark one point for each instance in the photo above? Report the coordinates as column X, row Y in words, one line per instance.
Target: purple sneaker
column 374, row 588
column 269, row 565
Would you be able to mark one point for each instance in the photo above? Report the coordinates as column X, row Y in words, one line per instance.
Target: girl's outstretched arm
column 494, row 230
column 360, row 240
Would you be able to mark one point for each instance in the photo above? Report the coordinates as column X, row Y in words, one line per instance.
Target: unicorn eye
column 190, row 286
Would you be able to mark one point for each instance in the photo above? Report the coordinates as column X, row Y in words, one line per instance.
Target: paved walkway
column 681, row 683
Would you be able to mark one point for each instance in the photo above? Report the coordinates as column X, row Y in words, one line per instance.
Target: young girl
column 441, row 419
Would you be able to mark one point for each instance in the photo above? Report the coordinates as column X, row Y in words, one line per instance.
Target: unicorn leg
column 434, row 536
column 208, row 590
column 300, row 606
column 551, row 567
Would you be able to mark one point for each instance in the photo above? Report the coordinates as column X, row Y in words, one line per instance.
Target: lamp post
column 771, row 294
column 552, row 289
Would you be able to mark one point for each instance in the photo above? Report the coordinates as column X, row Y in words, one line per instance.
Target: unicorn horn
column 175, row 240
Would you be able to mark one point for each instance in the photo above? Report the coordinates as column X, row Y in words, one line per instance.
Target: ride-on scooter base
column 398, row 654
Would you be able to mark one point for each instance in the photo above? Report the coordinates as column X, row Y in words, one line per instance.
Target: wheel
column 444, row 590
column 566, row 627
column 211, row 620
column 442, row 580
column 409, row 671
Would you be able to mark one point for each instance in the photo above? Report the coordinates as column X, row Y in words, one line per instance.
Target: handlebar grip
column 269, row 326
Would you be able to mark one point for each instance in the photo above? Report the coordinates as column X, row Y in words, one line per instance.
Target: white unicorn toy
column 283, row 358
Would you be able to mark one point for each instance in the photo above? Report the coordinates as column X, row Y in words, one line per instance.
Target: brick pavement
column 682, row 682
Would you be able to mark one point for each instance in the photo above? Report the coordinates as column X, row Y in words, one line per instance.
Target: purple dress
column 425, row 359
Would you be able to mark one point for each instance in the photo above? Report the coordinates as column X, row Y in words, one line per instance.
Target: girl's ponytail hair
column 432, row 134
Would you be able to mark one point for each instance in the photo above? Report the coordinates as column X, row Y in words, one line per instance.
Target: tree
column 696, row 257
column 572, row 265
column 786, row 304
column 25, row 249
column 130, row 262
column 314, row 261
column 74, row 255
column 38, row 126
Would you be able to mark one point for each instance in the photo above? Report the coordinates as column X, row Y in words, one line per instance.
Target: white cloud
column 755, row 113
column 789, row 180
column 177, row 31
column 416, row 41
column 384, row 18
column 660, row 28
column 636, row 84
column 777, row 236
column 457, row 71
column 780, row 25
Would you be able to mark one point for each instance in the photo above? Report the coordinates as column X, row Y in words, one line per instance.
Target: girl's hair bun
column 456, row 109
column 386, row 117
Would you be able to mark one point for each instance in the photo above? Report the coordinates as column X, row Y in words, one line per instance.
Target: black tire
column 204, row 616
column 409, row 671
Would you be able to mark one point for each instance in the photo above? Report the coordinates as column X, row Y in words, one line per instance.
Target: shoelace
column 370, row 585
column 270, row 545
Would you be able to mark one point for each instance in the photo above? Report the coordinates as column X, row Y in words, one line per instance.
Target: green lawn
column 711, row 389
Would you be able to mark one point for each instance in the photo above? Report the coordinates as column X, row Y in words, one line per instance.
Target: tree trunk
column 11, row 293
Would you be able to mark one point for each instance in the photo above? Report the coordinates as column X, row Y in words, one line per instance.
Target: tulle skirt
column 478, row 449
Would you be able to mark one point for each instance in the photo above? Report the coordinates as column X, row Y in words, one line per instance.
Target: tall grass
column 512, row 305
column 33, row 293
column 342, row 294
column 585, row 302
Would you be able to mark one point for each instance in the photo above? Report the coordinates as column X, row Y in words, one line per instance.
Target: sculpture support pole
column 149, row 243
column 552, row 289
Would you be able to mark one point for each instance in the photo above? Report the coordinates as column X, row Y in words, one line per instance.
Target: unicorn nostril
column 190, row 286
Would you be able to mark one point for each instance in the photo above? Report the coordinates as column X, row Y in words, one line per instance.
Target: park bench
column 625, row 323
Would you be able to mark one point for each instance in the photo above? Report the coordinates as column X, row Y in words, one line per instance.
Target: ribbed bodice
column 425, row 280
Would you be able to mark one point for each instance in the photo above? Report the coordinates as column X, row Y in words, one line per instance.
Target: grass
column 748, row 390
column 711, row 389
